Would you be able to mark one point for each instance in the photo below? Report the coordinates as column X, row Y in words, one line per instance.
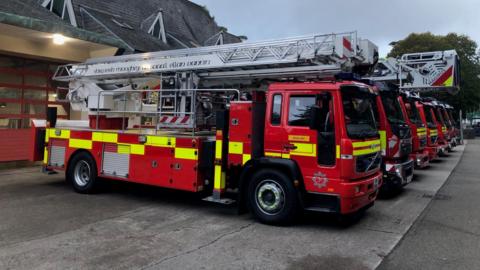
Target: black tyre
column 82, row 173
column 272, row 198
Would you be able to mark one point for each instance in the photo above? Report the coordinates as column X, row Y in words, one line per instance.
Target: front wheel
column 82, row 173
column 272, row 197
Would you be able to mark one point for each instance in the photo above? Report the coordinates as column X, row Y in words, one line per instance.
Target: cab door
column 313, row 148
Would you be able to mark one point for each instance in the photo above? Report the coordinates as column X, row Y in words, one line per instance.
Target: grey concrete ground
column 45, row 225
column 447, row 235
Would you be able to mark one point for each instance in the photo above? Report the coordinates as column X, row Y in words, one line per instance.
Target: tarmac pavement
column 447, row 235
column 45, row 225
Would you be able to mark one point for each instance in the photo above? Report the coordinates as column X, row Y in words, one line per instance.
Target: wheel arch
column 77, row 152
column 286, row 166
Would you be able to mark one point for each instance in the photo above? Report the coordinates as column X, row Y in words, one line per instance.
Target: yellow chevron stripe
column 366, row 151
column 218, row 149
column 81, row 144
column 62, row 134
column 123, row 149
column 304, row 149
column 235, row 148
column 383, row 139
column 186, row 153
column 273, row 154
column 365, row 144
column 105, row 137
column 161, row 141
column 45, row 156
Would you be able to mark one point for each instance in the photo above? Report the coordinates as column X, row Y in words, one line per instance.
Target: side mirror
column 315, row 118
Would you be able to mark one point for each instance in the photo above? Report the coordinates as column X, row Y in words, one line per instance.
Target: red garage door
column 26, row 91
column 14, row 144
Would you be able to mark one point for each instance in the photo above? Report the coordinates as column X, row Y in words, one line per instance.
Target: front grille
column 423, row 142
column 405, row 147
column 368, row 162
column 405, row 132
column 408, row 170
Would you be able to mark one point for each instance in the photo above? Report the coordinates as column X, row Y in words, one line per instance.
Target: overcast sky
column 381, row 21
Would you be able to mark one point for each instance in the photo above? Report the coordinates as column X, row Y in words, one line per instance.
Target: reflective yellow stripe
column 278, row 155
column 161, row 141
column 365, row 144
column 433, row 132
column 123, row 149
column 218, row 149
column 375, row 146
column 105, row 137
column 304, row 149
column 246, row 158
column 383, row 139
column 186, row 153
column 45, row 156
column 137, row 149
column 366, row 151
column 273, row 154
column 219, row 178
column 77, row 143
column 235, row 148
column 62, row 134
column 337, row 151
column 47, row 133
column 421, row 132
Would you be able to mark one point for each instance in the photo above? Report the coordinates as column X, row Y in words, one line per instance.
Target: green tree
column 468, row 99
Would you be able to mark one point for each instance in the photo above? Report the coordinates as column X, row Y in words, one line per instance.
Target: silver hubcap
column 82, row 173
column 270, row 197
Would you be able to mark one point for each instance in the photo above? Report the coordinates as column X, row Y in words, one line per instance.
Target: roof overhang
column 65, row 29
column 27, row 42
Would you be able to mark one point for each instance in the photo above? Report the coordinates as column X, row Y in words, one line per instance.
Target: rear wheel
column 82, row 173
column 272, row 197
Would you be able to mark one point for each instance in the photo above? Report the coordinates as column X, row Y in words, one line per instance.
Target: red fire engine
column 420, row 155
column 292, row 137
column 402, row 137
column 435, row 148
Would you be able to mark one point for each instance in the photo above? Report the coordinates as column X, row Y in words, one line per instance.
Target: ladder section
column 333, row 51
column 421, row 72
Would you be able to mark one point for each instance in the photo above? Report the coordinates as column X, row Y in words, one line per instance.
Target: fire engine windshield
column 392, row 109
column 450, row 114
column 358, row 109
column 446, row 117
column 413, row 113
column 439, row 116
column 428, row 116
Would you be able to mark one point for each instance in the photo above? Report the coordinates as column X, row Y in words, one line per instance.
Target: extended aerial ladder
column 421, row 72
column 308, row 55
column 106, row 87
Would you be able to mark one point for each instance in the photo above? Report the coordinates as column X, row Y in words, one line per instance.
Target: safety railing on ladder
column 162, row 118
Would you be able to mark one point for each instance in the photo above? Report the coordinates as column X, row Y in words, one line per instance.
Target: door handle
column 290, row 147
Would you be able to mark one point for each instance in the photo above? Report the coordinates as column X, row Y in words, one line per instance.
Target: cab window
column 299, row 110
column 276, row 116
